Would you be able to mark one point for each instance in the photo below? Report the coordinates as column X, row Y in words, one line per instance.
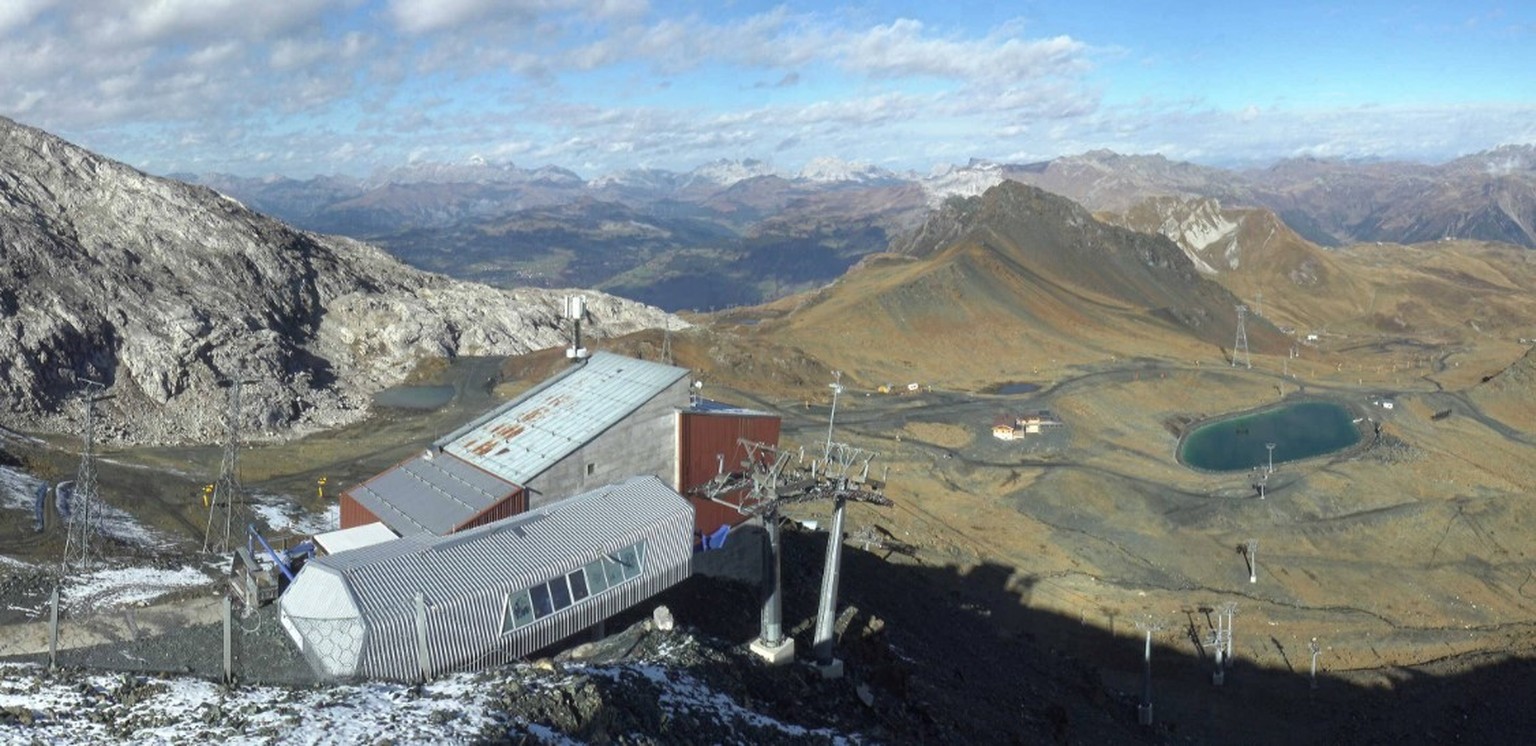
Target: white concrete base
column 832, row 670
column 1144, row 714
column 775, row 655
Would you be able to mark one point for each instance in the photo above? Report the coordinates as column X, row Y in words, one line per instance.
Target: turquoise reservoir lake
column 1299, row 431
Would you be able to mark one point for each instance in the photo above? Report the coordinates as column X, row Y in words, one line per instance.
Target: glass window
column 614, row 569
column 519, row 610
column 596, row 579
column 578, row 585
column 541, row 604
column 629, row 561
column 560, row 592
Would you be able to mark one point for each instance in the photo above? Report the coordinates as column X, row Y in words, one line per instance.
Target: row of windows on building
column 531, row 604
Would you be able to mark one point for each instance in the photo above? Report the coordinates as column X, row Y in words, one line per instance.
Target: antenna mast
column 228, row 499
column 1240, row 347
column 84, row 513
column 575, row 310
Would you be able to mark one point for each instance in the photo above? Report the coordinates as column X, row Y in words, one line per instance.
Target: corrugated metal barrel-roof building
column 492, row 593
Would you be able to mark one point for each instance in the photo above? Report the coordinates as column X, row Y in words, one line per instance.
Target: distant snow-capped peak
column 969, row 180
column 828, row 169
column 727, row 172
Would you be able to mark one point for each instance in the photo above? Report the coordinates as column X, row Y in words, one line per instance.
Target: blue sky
column 300, row 87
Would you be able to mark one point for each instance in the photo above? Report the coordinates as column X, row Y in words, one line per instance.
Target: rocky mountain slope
column 1015, row 279
column 1253, row 253
column 159, row 291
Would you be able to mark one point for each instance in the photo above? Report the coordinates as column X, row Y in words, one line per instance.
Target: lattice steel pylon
column 84, row 514
column 1240, row 347
column 227, row 510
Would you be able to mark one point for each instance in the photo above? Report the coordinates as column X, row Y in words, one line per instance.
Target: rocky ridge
column 159, row 291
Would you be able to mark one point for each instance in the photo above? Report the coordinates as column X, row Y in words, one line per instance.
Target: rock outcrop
column 159, row 291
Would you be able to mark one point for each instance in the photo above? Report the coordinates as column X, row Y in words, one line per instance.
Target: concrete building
column 599, row 422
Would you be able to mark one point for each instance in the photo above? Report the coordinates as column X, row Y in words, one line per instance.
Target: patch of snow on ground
column 120, row 525
column 192, row 711
column 13, row 562
column 682, row 693
column 16, row 489
column 281, row 515
column 123, row 586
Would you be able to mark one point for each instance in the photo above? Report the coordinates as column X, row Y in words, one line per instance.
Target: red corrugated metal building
column 708, row 440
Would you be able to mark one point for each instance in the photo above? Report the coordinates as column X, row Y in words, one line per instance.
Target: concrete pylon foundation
column 774, row 655
column 832, row 669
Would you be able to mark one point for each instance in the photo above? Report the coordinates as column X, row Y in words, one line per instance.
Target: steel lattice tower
column 84, row 513
column 228, row 507
column 1240, row 347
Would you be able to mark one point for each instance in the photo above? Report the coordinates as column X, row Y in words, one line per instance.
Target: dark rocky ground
column 932, row 656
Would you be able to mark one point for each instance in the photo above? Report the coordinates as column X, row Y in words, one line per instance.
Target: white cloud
column 605, row 84
column 903, row 48
column 15, row 13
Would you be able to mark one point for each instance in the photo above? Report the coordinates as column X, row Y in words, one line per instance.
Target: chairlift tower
column 1148, row 625
column 226, row 513
column 1240, row 347
column 84, row 513
column 1316, row 649
column 771, row 484
column 1228, row 610
column 1250, row 552
column 837, row 388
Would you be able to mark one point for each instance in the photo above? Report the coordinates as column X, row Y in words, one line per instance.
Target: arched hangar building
column 493, row 593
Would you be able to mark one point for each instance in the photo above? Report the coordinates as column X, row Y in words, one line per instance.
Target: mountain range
column 738, row 232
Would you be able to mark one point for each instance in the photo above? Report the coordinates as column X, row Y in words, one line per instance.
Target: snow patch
column 969, row 180
column 829, row 170
column 16, row 489
column 183, row 710
column 282, row 516
column 125, row 586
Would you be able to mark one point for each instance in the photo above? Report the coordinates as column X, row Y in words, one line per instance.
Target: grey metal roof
column 710, row 406
column 430, row 495
column 509, row 554
column 523, row 438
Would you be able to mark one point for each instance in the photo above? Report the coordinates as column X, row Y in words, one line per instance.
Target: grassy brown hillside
column 1015, row 283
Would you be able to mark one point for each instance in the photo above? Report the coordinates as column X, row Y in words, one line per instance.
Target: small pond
column 1300, row 430
column 1016, row 388
column 424, row 398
